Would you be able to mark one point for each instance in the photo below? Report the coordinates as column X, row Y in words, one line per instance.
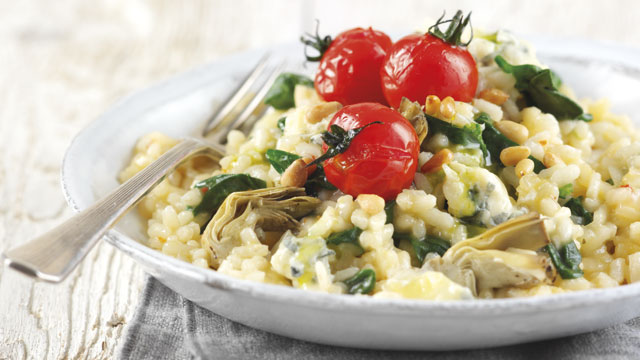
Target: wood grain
column 62, row 63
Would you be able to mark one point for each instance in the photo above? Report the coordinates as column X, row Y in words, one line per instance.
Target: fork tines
column 245, row 104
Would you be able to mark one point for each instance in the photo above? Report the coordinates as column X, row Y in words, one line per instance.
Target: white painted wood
column 62, row 63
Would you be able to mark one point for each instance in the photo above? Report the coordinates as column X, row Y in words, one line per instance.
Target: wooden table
column 62, row 63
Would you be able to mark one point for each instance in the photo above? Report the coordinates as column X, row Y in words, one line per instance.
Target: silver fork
column 54, row 254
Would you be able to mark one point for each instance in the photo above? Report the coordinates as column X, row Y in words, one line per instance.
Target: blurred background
column 64, row 62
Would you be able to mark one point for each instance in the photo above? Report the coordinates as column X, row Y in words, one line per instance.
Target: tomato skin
column 349, row 71
column 359, row 33
column 382, row 159
column 419, row 65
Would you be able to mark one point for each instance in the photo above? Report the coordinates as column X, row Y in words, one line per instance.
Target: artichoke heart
column 270, row 209
column 412, row 111
column 504, row 256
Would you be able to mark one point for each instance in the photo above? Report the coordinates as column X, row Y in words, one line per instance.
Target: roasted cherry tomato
column 381, row 159
column 434, row 63
column 369, row 34
column 349, row 71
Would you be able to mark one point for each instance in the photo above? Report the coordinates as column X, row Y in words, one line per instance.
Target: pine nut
column 295, row 175
column 493, row 95
column 524, row 167
column 371, row 204
column 311, row 168
column 512, row 155
column 432, row 105
column 515, row 132
column 448, row 107
column 550, row 160
column 321, row 111
column 434, row 164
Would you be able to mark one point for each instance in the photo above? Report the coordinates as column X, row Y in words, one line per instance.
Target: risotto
column 518, row 190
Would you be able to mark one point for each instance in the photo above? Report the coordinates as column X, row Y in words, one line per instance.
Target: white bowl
column 179, row 107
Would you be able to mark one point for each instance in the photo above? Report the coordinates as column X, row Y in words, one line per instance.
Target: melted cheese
column 422, row 284
column 305, row 261
column 474, row 191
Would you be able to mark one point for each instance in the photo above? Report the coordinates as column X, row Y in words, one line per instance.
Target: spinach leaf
column 428, row 245
column 280, row 95
column 522, row 73
column 338, row 140
column 545, row 96
column 469, row 135
column 493, row 139
column 567, row 260
column 280, row 160
column 424, row 246
column 540, row 88
column 350, row 236
column 361, row 283
column 282, row 122
column 565, row 191
column 586, row 117
column 218, row 187
column 389, row 209
column 317, row 181
column 557, row 81
column 496, row 142
column 579, row 215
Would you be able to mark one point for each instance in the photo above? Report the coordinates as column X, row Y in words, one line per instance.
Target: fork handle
column 53, row 255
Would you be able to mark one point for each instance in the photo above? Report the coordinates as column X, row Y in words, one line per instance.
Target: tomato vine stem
column 315, row 41
column 453, row 34
column 338, row 140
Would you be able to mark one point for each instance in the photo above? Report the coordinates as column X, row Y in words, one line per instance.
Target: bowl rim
column 187, row 81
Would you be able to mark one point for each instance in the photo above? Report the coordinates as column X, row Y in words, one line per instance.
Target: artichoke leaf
column 523, row 232
column 270, row 209
column 412, row 111
column 494, row 269
column 504, row 256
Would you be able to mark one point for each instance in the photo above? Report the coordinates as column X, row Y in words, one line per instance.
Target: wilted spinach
column 389, row 210
column 430, row 244
column 424, row 246
column 280, row 160
column 280, row 95
column 540, row 88
column 469, row 135
column 218, row 187
column 496, row 142
column 350, row 236
column 579, row 215
column 282, row 122
column 567, row 260
column 361, row 283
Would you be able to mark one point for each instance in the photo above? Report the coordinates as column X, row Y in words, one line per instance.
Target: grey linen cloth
column 167, row 326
